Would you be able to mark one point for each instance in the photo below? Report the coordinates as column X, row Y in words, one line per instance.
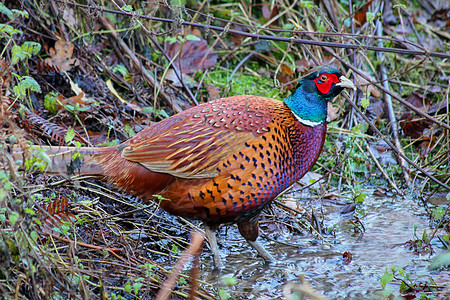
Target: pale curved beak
column 346, row 83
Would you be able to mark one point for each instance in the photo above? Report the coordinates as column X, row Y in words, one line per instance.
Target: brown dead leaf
column 333, row 112
column 360, row 14
column 5, row 80
column 70, row 17
column 195, row 55
column 303, row 65
column 237, row 38
column 269, row 12
column 419, row 101
column 347, row 256
column 365, row 85
column 286, row 78
column 375, row 111
column 440, row 107
column 61, row 56
column 412, row 126
column 80, row 99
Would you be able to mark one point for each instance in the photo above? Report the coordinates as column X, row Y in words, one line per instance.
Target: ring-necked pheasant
column 222, row 161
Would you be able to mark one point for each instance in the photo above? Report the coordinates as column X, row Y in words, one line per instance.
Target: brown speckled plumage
column 223, row 161
column 225, row 158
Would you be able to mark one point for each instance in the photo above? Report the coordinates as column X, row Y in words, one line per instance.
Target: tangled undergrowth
column 95, row 73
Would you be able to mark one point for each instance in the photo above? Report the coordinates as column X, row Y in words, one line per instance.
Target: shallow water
column 388, row 223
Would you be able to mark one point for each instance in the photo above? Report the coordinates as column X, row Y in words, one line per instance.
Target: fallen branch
column 197, row 239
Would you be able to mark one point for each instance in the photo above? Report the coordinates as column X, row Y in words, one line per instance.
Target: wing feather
column 195, row 142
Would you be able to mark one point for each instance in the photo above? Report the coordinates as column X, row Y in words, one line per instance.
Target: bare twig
column 281, row 39
column 392, row 118
column 176, row 108
column 197, row 239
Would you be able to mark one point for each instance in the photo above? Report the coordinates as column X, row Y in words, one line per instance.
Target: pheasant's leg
column 262, row 251
column 212, row 240
column 250, row 230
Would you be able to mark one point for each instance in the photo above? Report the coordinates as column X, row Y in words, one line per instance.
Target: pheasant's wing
column 193, row 143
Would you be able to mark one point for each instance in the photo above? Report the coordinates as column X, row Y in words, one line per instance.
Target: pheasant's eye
column 323, row 78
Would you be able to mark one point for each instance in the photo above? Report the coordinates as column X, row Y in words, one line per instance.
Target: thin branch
column 391, row 113
column 277, row 38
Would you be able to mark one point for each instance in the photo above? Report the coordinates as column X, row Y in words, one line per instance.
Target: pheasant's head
column 309, row 100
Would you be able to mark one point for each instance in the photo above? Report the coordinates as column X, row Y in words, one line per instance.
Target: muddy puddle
column 388, row 223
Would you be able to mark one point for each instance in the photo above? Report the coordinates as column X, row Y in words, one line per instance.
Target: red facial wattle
column 324, row 82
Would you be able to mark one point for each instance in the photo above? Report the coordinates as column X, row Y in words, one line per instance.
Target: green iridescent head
column 309, row 100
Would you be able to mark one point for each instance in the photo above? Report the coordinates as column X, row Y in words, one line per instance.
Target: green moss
column 243, row 84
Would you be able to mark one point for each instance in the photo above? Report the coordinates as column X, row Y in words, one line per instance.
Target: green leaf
column 22, row 13
column 42, row 155
column 386, row 278
column 438, row 213
column 127, row 287
column 192, row 37
column 360, row 128
column 441, row 260
column 26, row 83
column 370, row 16
column 306, row 4
column 137, row 286
column 17, row 54
column 129, row 131
column 224, row 295
column 9, row 29
column 50, row 102
column 365, row 102
column 163, row 113
column 34, row 235
column 289, row 26
column 30, row 211
column 6, row 11
column 121, row 69
column 13, row 217
column 360, row 198
column 228, row 281
column 127, row 8
column 148, row 110
column 69, row 135
column 425, row 238
column 171, row 39
column 32, row 48
column 178, row 2
column 175, row 249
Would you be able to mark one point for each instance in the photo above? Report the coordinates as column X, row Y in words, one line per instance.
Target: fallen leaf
column 303, row 65
column 333, row 112
column 365, row 85
column 61, row 56
column 347, row 256
column 347, row 209
column 286, row 78
column 195, row 55
column 383, row 153
column 172, row 76
column 69, row 17
column 360, row 14
column 441, row 107
column 80, row 99
column 269, row 12
column 237, row 38
column 413, row 126
column 419, row 101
